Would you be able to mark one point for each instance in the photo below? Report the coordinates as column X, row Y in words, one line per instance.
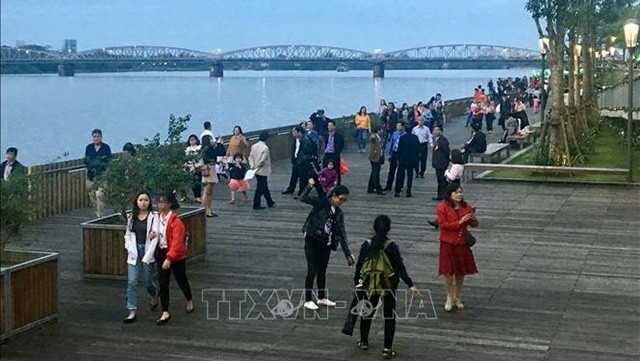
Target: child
column 237, row 183
column 536, row 104
column 328, row 177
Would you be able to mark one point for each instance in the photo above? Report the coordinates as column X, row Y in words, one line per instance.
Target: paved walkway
column 559, row 280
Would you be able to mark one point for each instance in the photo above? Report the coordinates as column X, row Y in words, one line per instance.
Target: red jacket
column 176, row 249
column 450, row 230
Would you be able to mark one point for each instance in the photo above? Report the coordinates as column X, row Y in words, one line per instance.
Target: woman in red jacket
column 171, row 254
column 456, row 259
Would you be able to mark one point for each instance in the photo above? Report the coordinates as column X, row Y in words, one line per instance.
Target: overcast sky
column 235, row 24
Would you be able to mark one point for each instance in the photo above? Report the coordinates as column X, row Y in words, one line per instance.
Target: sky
column 208, row 25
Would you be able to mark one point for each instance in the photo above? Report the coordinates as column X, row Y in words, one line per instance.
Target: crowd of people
column 404, row 137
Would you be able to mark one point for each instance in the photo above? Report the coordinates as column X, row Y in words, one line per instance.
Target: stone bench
column 495, row 153
column 470, row 169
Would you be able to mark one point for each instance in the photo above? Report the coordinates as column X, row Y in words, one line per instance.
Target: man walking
column 392, row 149
column 96, row 157
column 408, row 149
column 335, row 145
column 440, row 160
column 260, row 161
column 301, row 156
column 426, row 140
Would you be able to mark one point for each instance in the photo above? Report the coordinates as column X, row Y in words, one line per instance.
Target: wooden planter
column 103, row 250
column 28, row 291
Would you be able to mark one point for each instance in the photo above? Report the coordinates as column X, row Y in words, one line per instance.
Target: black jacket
column 440, row 155
column 408, row 150
column 318, row 217
column 338, row 143
column 477, row 143
column 393, row 253
column 17, row 166
column 306, row 153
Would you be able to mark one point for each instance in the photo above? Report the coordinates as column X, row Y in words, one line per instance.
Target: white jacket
column 149, row 245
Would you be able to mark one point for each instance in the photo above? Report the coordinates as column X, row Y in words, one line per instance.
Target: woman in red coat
column 456, row 259
column 171, row 254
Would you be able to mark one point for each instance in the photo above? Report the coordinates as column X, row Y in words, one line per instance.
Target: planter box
column 103, row 250
column 28, row 291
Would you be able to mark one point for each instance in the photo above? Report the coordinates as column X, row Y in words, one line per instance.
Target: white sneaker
column 326, row 302
column 458, row 304
column 310, row 305
column 448, row 306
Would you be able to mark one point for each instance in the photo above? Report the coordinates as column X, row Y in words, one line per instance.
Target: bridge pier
column 378, row 70
column 217, row 70
column 66, row 69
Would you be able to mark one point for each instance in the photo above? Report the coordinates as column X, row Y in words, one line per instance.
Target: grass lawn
column 609, row 154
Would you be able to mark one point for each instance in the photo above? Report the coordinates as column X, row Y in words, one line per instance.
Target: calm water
column 46, row 116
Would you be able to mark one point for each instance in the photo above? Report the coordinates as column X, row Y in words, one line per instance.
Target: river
column 50, row 118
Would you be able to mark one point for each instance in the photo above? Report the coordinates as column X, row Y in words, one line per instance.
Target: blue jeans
column 362, row 139
column 132, row 279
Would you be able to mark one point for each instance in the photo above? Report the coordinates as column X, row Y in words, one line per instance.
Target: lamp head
column 631, row 33
column 544, row 44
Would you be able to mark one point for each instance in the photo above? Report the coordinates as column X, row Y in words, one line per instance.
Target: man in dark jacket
column 334, row 147
column 323, row 230
column 11, row 165
column 302, row 153
column 477, row 143
column 440, row 160
column 408, row 157
column 97, row 156
column 320, row 121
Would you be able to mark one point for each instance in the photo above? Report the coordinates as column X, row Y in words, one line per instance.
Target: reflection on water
column 46, row 115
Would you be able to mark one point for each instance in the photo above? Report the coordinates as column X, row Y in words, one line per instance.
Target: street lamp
column 631, row 40
column 544, row 46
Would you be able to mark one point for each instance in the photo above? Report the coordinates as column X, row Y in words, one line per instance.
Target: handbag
column 319, row 237
column 206, row 170
column 471, row 240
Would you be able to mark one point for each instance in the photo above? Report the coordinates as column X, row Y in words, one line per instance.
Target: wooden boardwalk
column 559, row 280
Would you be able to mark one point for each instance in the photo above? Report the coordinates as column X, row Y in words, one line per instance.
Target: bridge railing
column 63, row 185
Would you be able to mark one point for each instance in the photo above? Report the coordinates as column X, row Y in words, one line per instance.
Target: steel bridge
column 278, row 57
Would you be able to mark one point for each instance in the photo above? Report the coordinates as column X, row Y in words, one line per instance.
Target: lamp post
column 544, row 45
column 577, row 52
column 631, row 40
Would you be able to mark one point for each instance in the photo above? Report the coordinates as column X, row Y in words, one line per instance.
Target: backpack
column 376, row 272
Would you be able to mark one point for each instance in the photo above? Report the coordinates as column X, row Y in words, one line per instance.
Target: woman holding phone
column 455, row 259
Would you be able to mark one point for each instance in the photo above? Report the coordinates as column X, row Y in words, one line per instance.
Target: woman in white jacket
column 140, row 241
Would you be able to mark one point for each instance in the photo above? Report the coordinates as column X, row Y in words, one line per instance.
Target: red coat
column 176, row 248
column 450, row 230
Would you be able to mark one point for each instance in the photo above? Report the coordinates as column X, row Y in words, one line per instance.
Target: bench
column 470, row 169
column 495, row 153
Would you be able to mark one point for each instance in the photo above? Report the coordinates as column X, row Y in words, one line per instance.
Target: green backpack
column 376, row 272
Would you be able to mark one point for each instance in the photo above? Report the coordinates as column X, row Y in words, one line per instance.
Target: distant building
column 70, row 46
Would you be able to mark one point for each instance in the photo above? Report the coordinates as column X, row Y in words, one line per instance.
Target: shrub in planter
column 28, row 280
column 158, row 166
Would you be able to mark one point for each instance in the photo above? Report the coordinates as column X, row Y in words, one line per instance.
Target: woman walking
column 237, row 144
column 323, row 231
column 455, row 259
column 171, row 254
column 140, row 243
column 372, row 248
